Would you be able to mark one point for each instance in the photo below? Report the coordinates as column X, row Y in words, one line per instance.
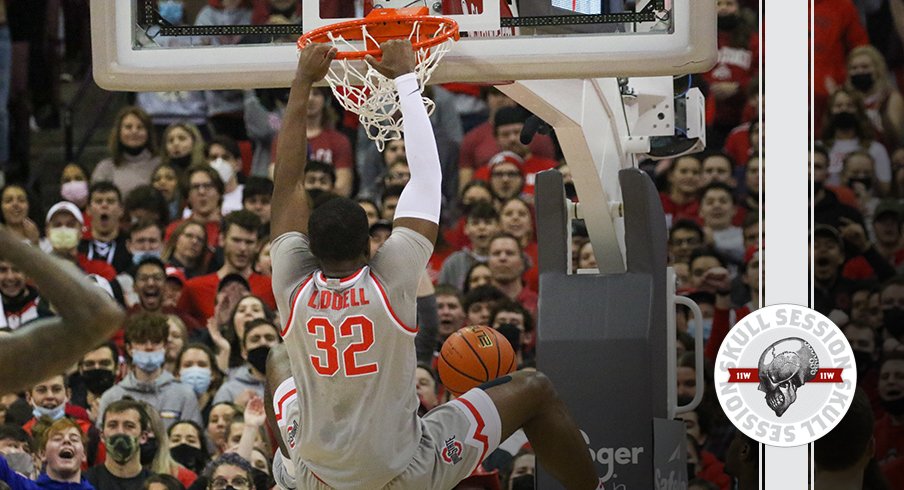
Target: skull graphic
column 784, row 367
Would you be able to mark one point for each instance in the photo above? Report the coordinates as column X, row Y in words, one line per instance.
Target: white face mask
column 63, row 238
column 223, row 168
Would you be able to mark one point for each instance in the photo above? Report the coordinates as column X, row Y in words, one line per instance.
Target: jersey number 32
column 327, row 362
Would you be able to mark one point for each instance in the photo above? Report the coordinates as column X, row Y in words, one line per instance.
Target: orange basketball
column 473, row 356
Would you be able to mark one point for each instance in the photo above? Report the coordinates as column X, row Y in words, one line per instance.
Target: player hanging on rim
column 350, row 326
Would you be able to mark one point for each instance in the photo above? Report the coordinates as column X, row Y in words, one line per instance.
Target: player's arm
column 290, row 204
column 419, row 204
column 88, row 316
column 278, row 370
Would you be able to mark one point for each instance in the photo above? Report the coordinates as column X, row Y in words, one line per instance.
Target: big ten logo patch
column 451, row 451
column 785, row 375
column 484, row 340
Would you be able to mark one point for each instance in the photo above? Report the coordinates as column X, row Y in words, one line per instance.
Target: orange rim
column 382, row 27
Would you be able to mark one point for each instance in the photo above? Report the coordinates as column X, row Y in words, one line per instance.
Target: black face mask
column 181, row 162
column 261, row 479
column 893, row 321
column 845, row 120
column 866, row 181
column 512, row 334
column 894, row 407
column 190, row 457
column 148, row 451
column 817, row 186
column 684, row 399
column 863, row 360
column 314, row 194
column 728, row 22
column 523, row 482
column 862, row 81
column 257, row 357
column 98, row 381
column 129, row 150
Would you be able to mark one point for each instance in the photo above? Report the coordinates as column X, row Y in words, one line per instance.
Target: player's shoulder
column 292, row 236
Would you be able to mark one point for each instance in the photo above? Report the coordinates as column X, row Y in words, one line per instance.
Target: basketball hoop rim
column 321, row 34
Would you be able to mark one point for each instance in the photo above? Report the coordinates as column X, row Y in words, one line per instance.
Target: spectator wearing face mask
column 841, row 30
column 867, row 73
column 74, row 185
column 516, row 324
column 50, row 401
column 64, row 455
column 64, row 227
column 224, row 155
column 319, row 178
column 145, row 242
column 858, row 174
column 147, row 381
column 847, row 129
column 97, row 373
column 248, row 380
column 522, row 474
column 125, row 427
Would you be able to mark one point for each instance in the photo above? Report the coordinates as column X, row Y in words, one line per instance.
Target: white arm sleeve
column 423, row 193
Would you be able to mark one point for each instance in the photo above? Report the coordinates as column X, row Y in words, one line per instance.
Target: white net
column 373, row 96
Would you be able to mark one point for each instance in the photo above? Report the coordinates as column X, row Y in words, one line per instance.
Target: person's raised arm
column 290, row 206
column 87, row 317
column 419, row 204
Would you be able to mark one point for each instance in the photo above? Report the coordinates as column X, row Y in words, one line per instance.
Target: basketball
column 472, row 356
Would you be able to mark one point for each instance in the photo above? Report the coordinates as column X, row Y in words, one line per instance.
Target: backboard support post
column 589, row 121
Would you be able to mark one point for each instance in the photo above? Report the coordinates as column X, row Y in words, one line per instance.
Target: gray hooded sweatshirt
column 173, row 400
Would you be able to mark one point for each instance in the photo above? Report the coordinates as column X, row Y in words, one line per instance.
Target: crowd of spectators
column 174, row 224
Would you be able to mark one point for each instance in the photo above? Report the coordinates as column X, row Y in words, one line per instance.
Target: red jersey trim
column 292, row 304
column 478, row 435
column 282, row 401
column 345, row 281
column 385, row 299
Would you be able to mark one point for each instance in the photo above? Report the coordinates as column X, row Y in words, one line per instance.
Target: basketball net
column 373, row 96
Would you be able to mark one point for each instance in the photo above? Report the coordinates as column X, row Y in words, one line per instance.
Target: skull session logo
column 785, row 375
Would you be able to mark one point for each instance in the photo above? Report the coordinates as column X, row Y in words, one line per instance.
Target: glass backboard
column 188, row 44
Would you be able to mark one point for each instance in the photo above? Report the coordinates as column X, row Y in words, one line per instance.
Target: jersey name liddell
column 325, row 299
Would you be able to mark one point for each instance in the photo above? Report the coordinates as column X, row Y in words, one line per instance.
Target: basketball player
column 87, row 317
column 351, row 325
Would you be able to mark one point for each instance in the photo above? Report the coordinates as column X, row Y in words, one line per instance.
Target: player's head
column 338, row 231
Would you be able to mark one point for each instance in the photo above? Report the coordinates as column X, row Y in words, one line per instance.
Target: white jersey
column 351, row 346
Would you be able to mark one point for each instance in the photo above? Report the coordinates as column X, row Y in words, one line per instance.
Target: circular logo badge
column 785, row 375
